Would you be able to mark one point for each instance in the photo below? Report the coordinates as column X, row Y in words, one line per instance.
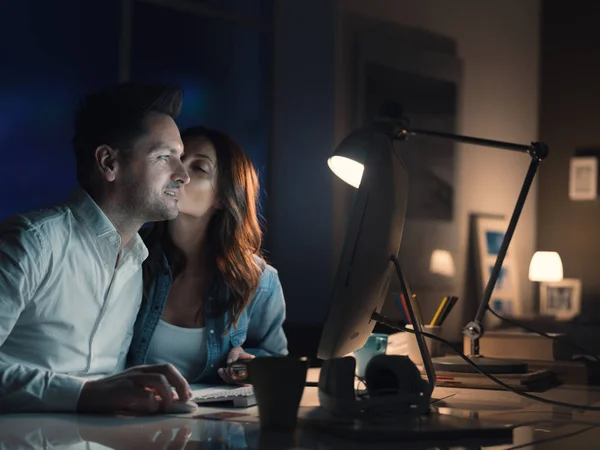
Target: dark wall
column 570, row 120
column 51, row 56
column 303, row 138
column 223, row 65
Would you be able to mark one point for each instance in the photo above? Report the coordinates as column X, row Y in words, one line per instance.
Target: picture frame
column 561, row 299
column 505, row 299
column 583, row 178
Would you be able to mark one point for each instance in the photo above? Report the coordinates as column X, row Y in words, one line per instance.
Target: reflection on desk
column 70, row 431
column 37, row 431
column 529, row 420
column 32, row 431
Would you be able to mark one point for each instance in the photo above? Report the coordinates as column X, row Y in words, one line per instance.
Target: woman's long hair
column 233, row 236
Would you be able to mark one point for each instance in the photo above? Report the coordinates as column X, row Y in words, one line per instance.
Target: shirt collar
column 86, row 210
column 138, row 248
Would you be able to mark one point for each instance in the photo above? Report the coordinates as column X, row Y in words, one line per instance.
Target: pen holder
column 436, row 348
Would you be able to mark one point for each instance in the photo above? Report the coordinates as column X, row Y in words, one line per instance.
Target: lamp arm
column 474, row 330
column 538, row 152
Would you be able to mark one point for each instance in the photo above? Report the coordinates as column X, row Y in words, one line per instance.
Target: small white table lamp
column 546, row 266
column 442, row 263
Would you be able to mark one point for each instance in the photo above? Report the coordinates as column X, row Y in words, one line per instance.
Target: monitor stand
column 417, row 326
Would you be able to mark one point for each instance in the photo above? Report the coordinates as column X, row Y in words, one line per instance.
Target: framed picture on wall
column 583, row 178
column 489, row 233
column 561, row 299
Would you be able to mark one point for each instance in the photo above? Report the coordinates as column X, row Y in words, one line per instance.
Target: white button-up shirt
column 66, row 312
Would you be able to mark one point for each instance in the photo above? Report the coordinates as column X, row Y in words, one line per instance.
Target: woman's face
column 199, row 197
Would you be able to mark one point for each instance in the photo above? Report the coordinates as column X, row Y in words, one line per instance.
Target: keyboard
column 236, row 396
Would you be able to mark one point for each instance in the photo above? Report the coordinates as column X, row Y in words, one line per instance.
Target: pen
column 449, row 305
column 400, row 306
column 417, row 309
column 438, row 313
column 399, row 300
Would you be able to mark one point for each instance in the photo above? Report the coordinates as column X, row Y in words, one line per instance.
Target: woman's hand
column 236, row 371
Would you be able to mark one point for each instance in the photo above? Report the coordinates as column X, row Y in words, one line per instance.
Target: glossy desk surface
column 529, row 420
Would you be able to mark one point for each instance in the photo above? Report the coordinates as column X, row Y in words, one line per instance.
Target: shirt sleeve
column 267, row 313
column 24, row 262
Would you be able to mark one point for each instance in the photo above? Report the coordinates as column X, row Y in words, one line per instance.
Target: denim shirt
column 259, row 330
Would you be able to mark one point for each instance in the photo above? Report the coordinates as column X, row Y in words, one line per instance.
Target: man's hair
column 116, row 117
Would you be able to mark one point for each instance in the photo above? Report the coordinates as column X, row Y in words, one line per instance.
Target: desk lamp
column 442, row 263
column 347, row 162
column 545, row 266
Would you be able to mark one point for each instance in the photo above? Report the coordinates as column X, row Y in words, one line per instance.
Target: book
column 520, row 345
column 570, row 372
column 538, row 380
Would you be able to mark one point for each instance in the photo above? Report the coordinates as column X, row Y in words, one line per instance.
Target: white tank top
column 185, row 348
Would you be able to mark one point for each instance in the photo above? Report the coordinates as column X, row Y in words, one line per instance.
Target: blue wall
column 52, row 57
column 223, row 66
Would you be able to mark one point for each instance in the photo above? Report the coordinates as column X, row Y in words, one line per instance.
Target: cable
column 358, row 383
column 491, row 377
column 552, row 439
column 546, row 335
column 565, row 421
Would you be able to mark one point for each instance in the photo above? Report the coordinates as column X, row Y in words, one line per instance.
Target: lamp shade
column 442, row 263
column 546, row 266
column 347, row 169
column 350, row 156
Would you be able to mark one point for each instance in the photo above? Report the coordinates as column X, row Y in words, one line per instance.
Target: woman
column 209, row 297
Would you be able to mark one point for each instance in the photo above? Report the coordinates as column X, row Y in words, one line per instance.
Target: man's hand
column 230, row 374
column 145, row 389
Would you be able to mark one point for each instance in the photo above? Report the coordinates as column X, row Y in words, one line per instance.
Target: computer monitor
column 374, row 233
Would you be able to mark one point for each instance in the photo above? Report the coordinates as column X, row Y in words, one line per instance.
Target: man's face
column 152, row 172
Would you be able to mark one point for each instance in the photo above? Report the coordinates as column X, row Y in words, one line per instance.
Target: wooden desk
column 532, row 421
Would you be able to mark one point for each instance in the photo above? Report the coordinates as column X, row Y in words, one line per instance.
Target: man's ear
column 106, row 161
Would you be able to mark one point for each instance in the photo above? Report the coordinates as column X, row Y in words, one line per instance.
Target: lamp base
column 488, row 365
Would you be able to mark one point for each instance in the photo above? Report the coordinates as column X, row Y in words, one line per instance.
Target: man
column 70, row 275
